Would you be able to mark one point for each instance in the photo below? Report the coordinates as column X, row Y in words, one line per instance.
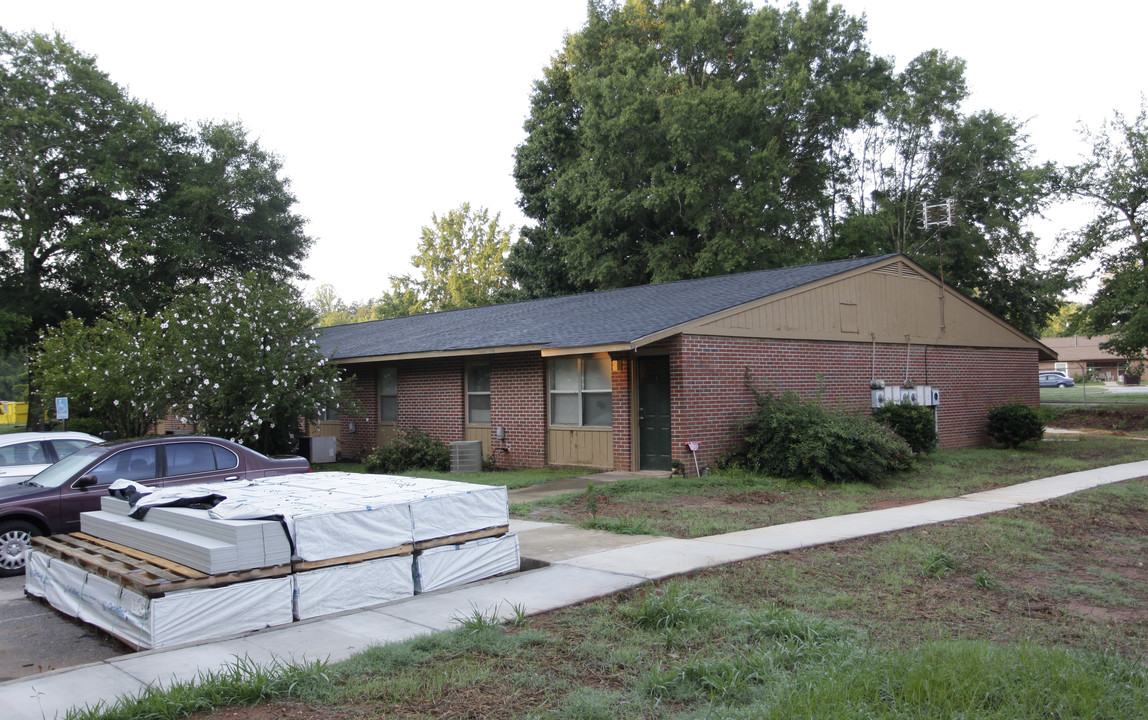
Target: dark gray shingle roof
column 609, row 317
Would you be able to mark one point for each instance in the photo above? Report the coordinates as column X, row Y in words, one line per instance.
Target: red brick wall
column 361, row 384
column 710, row 394
column 620, row 404
column 432, row 398
column 518, row 404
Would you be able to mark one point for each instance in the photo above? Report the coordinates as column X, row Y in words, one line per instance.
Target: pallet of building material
column 448, row 566
column 146, row 573
column 144, row 622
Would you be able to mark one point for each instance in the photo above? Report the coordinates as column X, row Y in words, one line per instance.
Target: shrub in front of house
column 790, row 437
column 914, row 423
column 1014, row 423
column 411, row 449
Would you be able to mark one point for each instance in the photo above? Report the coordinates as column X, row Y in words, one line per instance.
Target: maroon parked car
column 51, row 502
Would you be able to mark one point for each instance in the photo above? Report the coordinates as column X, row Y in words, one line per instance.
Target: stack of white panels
column 448, row 566
column 191, row 537
column 437, row 508
column 333, row 515
column 349, row 587
column 175, row 618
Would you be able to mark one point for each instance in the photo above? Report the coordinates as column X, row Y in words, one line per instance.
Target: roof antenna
column 939, row 215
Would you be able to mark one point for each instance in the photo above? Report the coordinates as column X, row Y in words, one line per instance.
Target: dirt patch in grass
column 1134, row 417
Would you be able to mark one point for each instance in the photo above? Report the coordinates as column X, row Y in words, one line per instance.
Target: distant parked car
column 1050, row 379
column 51, row 502
column 25, row 454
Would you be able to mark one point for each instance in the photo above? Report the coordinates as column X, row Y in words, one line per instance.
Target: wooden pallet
column 460, row 538
column 305, row 565
column 147, row 574
column 405, row 549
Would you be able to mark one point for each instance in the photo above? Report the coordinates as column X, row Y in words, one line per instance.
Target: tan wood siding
column 480, row 432
column 885, row 304
column 591, row 447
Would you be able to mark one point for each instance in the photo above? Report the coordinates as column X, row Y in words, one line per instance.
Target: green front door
column 654, row 413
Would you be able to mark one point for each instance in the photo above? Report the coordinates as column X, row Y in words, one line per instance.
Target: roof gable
column 887, row 302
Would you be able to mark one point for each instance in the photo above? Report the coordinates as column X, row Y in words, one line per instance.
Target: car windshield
column 63, row 471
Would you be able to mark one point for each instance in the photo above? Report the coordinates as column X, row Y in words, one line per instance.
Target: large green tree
column 460, row 262
column 673, row 139
column 104, row 204
column 1114, row 179
column 923, row 150
column 330, row 309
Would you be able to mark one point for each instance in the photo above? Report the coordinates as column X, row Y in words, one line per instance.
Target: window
column 25, row 453
column 330, row 411
column 580, row 392
column 388, row 395
column 66, row 447
column 189, row 458
column 224, row 458
column 478, row 394
column 132, row 464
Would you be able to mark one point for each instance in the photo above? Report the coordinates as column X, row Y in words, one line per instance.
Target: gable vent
column 901, row 270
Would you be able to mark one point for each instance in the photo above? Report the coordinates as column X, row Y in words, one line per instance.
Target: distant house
column 628, row 378
column 1079, row 356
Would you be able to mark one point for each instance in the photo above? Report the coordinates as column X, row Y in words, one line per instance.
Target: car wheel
column 1062, row 385
column 15, row 539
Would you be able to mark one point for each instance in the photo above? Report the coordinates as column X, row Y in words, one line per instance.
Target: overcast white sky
column 385, row 113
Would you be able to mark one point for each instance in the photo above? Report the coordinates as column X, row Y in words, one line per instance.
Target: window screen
column 580, row 392
column 388, row 395
column 478, row 394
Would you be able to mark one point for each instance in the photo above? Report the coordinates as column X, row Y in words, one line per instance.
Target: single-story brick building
column 629, row 378
column 1081, row 356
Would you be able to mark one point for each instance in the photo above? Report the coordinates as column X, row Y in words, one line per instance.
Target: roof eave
column 427, row 354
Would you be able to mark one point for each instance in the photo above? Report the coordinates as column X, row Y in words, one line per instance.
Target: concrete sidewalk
column 583, row 565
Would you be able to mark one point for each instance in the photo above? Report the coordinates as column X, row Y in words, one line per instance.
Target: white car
column 25, row 454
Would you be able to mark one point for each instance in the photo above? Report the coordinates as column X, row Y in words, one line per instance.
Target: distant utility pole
column 939, row 215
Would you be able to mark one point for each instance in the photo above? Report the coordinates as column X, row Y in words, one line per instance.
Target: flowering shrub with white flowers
column 239, row 360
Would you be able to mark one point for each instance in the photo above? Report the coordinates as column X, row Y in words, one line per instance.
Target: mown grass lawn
column 730, row 501
column 1092, row 394
column 1033, row 613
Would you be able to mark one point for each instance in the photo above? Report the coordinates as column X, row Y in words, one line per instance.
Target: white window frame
column 580, row 393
